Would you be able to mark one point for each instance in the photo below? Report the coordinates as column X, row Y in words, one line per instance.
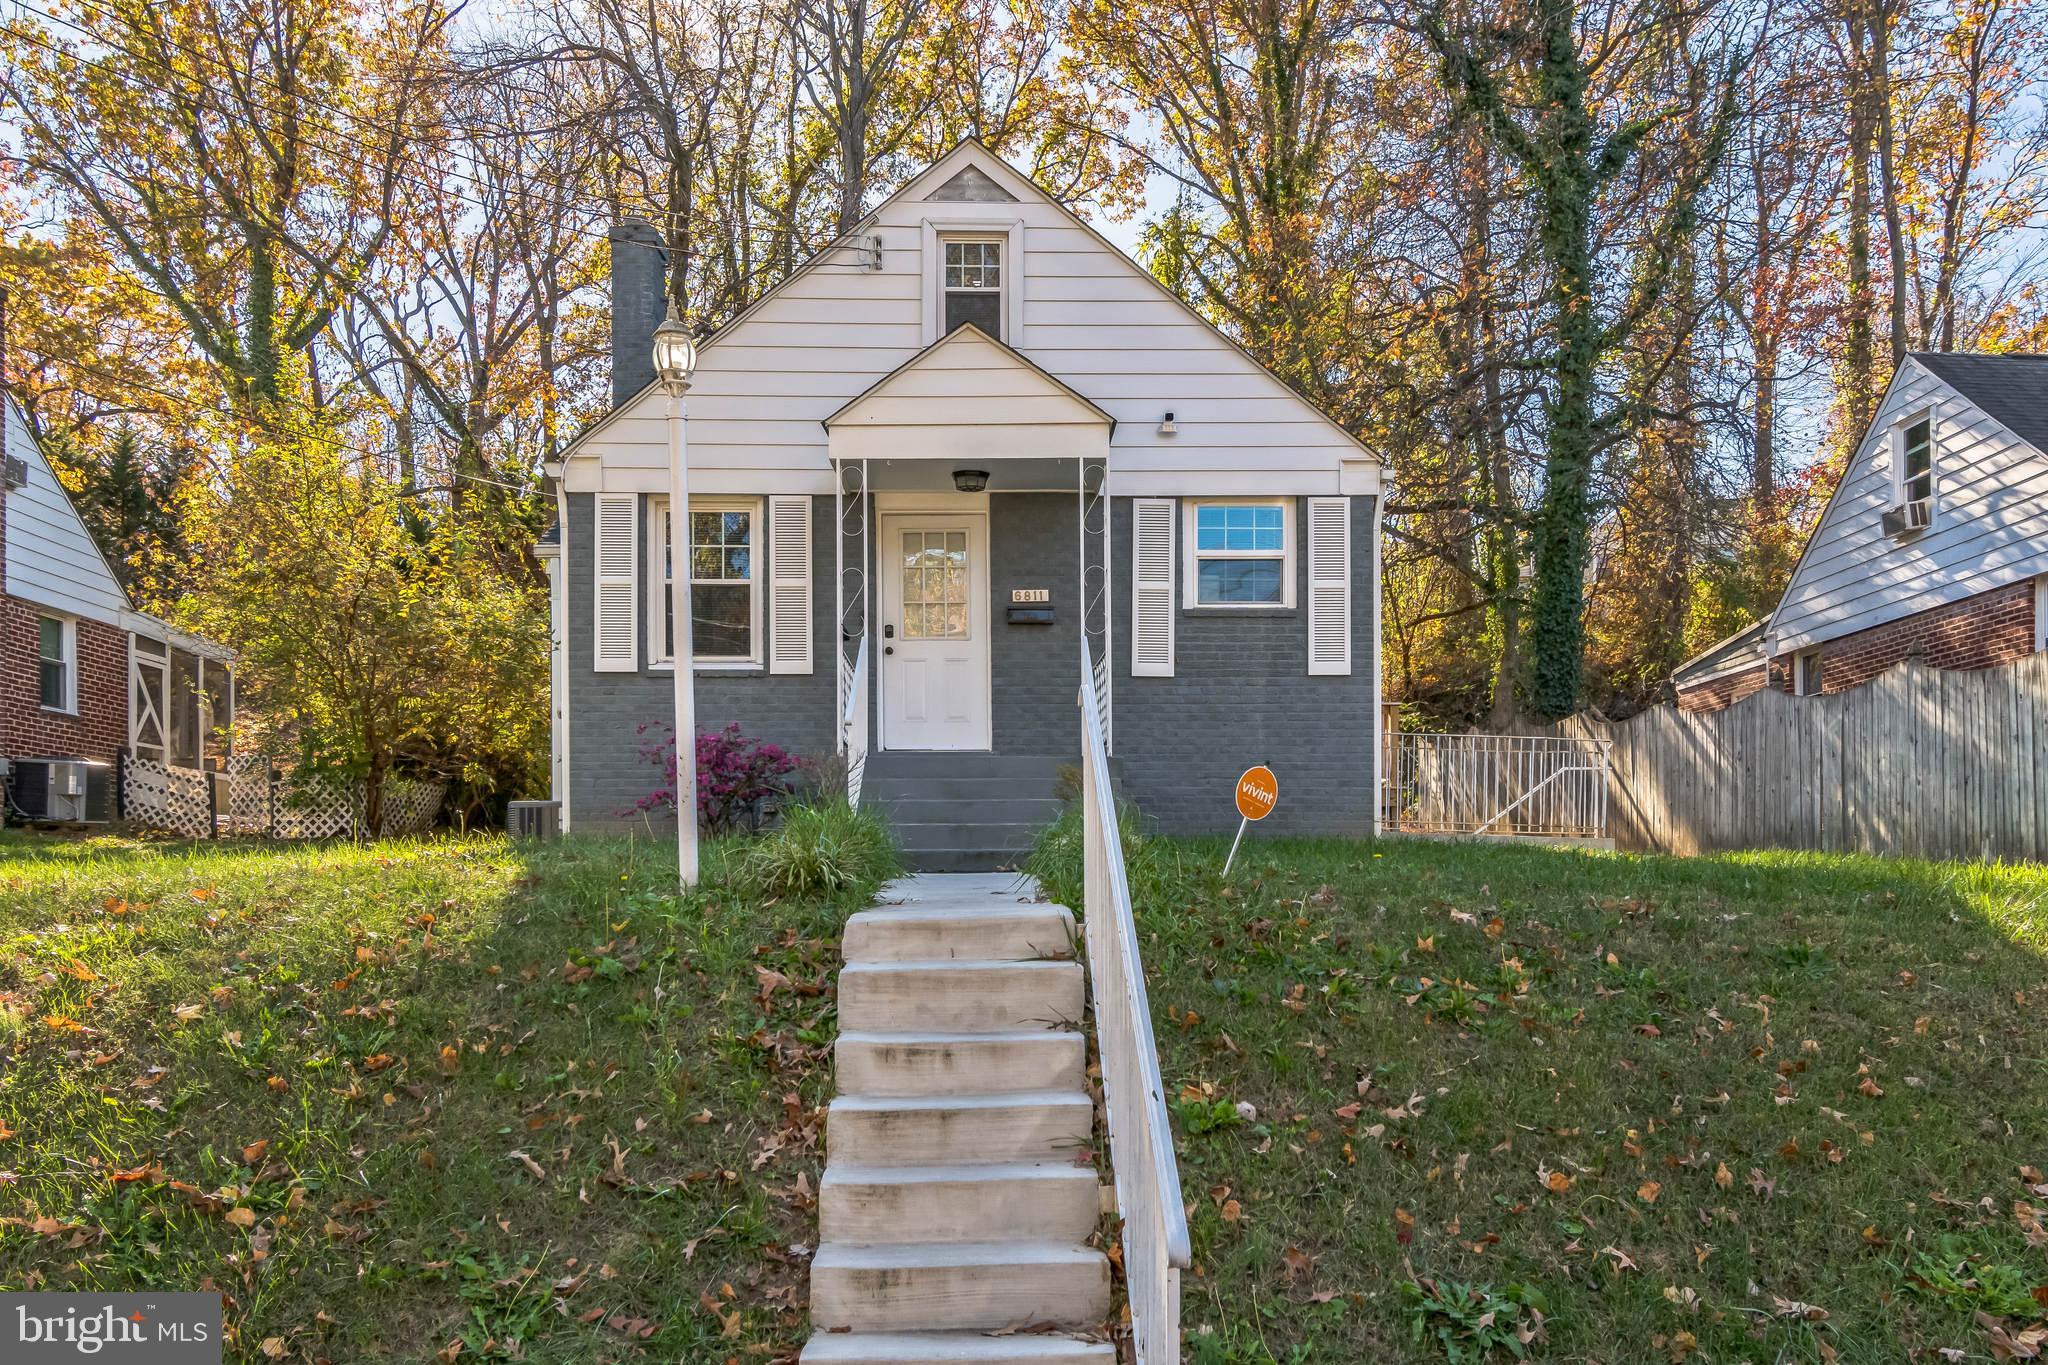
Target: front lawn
column 419, row 1101
column 1751, row 1108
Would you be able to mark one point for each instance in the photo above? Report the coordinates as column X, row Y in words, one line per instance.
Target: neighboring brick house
column 1934, row 545
column 82, row 673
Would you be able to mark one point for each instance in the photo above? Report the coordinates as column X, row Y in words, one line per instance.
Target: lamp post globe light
column 675, row 357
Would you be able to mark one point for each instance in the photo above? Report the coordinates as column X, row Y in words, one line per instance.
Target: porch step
column 954, row 1348
column 1038, row 1201
column 959, row 996
column 885, row 764
column 964, row 811
column 959, row 1063
column 965, row 931
column 912, row 1130
column 960, row 1284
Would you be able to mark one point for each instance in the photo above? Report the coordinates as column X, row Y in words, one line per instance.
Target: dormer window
column 1912, row 509
column 974, row 284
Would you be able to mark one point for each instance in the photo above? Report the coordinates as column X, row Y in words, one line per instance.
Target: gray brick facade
column 1241, row 693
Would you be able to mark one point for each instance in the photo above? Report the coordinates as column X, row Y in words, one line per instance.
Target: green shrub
column 822, row 846
column 1056, row 857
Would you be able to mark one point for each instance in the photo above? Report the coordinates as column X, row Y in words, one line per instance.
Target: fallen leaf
column 253, row 1153
column 241, row 1217
column 1648, row 1191
column 538, row 1172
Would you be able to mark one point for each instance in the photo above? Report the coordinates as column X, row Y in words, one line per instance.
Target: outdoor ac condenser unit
column 534, row 819
column 71, row 790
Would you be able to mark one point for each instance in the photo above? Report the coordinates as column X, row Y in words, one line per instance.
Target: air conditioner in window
column 1909, row 517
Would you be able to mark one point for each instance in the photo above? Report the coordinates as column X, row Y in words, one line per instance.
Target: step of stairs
column 960, row 1063
column 906, row 1286
column 906, row 1130
column 955, row 1348
column 959, row 996
column 928, row 933
column 964, row 811
column 955, row 1223
column 976, row 1202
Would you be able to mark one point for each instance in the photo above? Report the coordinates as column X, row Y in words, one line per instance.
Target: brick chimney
column 639, row 303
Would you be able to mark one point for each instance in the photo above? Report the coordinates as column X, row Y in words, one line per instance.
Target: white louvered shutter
column 1329, row 585
column 1152, row 587
column 789, row 585
column 617, row 618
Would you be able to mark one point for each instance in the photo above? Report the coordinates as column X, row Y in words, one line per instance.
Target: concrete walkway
column 957, row 1201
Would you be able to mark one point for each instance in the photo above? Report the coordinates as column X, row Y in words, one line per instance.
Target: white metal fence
column 1148, row 1194
column 1539, row 785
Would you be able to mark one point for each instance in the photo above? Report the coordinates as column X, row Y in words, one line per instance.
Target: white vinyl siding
column 52, row 560
column 1152, row 608
column 617, row 542
column 789, row 577
column 1329, row 585
column 1074, row 305
column 1991, row 527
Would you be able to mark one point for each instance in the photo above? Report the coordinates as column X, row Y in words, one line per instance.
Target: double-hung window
column 725, row 581
column 57, row 660
column 1240, row 553
column 1916, row 469
column 973, row 284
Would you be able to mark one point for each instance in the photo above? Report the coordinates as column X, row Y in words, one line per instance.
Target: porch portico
column 960, row 472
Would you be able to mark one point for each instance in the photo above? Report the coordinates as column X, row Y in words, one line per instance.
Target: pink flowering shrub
column 733, row 773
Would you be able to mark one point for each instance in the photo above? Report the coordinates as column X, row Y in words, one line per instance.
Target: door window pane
column 934, row 578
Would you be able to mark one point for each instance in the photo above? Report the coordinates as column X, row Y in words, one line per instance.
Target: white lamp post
column 675, row 356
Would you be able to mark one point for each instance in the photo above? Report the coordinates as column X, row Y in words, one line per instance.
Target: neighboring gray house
column 975, row 404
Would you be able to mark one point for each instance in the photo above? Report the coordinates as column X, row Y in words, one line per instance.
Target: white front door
column 934, row 628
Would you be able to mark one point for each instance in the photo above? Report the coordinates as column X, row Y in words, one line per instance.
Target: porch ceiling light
column 970, row 480
column 675, row 353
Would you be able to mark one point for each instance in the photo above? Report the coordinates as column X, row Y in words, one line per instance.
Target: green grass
column 1627, row 1092
column 390, row 1098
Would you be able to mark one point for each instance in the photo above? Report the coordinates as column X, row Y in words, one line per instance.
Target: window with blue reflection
column 1240, row 554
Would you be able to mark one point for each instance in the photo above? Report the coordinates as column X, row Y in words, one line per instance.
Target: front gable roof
column 1005, row 389
column 2013, row 389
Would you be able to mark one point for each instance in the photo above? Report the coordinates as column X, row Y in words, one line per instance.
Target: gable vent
column 789, row 585
column 1329, row 585
column 618, row 558
column 1152, row 588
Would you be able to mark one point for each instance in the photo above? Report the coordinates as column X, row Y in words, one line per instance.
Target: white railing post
column 1147, row 1173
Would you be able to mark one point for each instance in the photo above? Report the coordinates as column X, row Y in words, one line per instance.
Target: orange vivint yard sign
column 1258, row 791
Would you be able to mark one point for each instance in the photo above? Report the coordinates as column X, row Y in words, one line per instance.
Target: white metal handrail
column 853, row 724
column 1148, row 1195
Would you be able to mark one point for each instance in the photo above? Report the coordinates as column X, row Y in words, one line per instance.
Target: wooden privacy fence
column 1919, row 762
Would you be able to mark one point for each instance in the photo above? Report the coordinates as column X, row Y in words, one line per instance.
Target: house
column 82, row 673
column 1726, row 671
column 1933, row 546
column 966, row 435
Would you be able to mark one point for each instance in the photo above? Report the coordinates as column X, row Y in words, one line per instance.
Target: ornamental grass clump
column 822, row 846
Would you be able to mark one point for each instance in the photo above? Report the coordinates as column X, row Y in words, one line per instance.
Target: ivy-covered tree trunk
column 1567, row 181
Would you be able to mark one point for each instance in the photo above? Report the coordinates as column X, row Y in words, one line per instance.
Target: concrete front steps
column 963, row 811
column 959, row 1198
